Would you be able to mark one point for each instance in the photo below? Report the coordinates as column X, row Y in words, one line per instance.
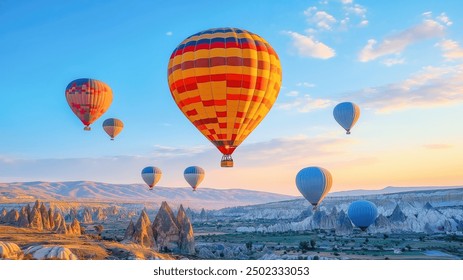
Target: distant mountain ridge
column 389, row 190
column 85, row 191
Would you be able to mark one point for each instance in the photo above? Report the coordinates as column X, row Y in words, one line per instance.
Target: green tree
column 313, row 243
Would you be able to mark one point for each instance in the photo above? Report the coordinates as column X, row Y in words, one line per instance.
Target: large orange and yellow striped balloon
column 88, row 99
column 225, row 81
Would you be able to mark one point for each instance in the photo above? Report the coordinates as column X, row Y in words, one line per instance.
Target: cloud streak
column 304, row 104
column 397, row 43
column 431, row 87
column 308, row 46
column 451, row 50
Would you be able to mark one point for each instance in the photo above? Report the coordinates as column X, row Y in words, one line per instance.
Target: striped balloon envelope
column 314, row 183
column 346, row 114
column 194, row 175
column 151, row 175
column 113, row 127
column 362, row 213
column 88, row 99
column 225, row 81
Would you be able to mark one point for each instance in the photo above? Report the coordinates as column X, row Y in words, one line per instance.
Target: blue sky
column 400, row 61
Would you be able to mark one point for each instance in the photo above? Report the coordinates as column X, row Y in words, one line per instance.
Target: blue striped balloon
column 314, row 183
column 362, row 213
column 151, row 175
column 194, row 175
column 346, row 114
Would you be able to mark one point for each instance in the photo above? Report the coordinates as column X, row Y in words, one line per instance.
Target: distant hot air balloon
column 314, row 183
column 113, row 127
column 194, row 175
column 362, row 213
column 346, row 114
column 88, row 99
column 225, row 81
column 151, row 175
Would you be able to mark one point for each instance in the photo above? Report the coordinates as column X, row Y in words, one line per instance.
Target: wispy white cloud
column 305, row 104
column 451, row 50
column 307, row 46
column 396, row 43
column 444, row 19
column 169, row 33
column 292, row 93
column 392, row 61
column 431, row 87
column 305, row 84
column 438, row 146
column 271, row 155
column 321, row 19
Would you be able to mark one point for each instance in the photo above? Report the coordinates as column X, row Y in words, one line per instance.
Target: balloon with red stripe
column 225, row 81
column 89, row 99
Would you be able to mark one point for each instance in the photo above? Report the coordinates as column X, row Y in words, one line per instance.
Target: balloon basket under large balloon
column 348, row 132
column 363, row 229
column 112, row 139
column 87, row 128
column 314, row 208
column 227, row 161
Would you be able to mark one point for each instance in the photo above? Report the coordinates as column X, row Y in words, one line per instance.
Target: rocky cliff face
column 343, row 224
column 99, row 215
column 11, row 217
column 74, row 228
column 186, row 242
column 165, row 228
column 40, row 218
column 397, row 215
column 9, row 250
column 141, row 233
column 167, row 232
column 87, row 216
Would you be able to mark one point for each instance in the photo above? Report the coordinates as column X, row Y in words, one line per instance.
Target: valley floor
column 85, row 247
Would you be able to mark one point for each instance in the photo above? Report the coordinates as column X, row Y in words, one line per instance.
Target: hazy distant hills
column 83, row 191
column 389, row 190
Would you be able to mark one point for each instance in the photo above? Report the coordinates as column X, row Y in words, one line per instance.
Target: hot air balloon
column 314, row 183
column 194, row 175
column 151, row 175
column 88, row 99
column 113, row 127
column 225, row 81
column 362, row 213
column 346, row 114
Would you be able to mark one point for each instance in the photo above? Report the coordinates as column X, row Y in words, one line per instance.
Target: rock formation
column 142, row 231
column 99, row 215
column 59, row 223
column 35, row 220
column 74, row 228
column 45, row 218
column 23, row 220
column 40, row 218
column 165, row 228
column 343, row 223
column 87, row 216
column 186, row 242
column 44, row 252
column 129, row 231
column 167, row 232
column 9, row 250
column 397, row 215
column 11, row 217
column 2, row 214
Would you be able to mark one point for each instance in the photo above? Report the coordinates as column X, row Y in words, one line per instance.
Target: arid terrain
column 422, row 224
